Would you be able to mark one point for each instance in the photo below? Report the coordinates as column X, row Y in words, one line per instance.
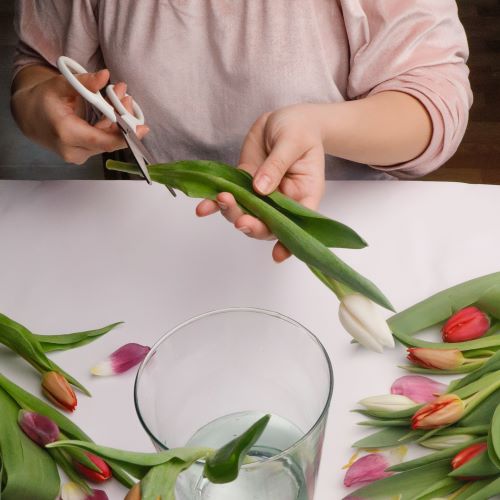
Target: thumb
column 95, row 81
column 282, row 156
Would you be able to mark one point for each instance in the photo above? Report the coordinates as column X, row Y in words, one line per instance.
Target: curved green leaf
column 489, row 491
column 159, row 482
column 492, row 365
column 66, row 341
column 196, row 183
column 494, row 438
column 224, row 465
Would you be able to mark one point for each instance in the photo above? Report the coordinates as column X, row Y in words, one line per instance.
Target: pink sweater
column 204, row 70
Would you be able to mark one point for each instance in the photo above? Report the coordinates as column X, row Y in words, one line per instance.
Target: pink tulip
column 38, row 428
column 367, row 469
column 417, row 388
column 121, row 360
column 467, row 324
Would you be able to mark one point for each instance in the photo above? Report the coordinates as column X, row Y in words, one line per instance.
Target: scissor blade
column 140, row 152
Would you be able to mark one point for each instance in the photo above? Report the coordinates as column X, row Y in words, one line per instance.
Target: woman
column 364, row 82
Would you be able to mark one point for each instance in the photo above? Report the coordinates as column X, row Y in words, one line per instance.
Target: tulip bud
column 72, row 491
column 417, row 388
column 362, row 319
column 387, row 402
column 441, row 359
column 444, row 442
column 467, row 324
column 444, row 410
column 56, row 389
column 92, row 475
column 134, row 493
column 38, row 428
column 467, row 454
column 121, row 360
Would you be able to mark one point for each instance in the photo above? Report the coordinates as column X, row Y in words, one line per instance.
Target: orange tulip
column 57, row 389
column 444, row 410
column 442, row 359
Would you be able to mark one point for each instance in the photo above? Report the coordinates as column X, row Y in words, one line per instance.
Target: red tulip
column 467, row 324
column 442, row 359
column 57, row 389
column 444, row 410
column 467, row 454
column 97, row 477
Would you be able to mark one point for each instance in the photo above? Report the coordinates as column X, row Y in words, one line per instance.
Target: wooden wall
column 478, row 158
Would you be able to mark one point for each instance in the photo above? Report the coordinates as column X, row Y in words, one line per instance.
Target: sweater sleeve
column 418, row 47
column 47, row 29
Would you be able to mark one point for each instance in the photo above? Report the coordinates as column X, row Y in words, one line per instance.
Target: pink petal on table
column 121, row 360
column 367, row 469
column 417, row 388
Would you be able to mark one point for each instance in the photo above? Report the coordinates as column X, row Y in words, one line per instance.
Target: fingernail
column 263, row 183
column 244, row 229
column 222, row 206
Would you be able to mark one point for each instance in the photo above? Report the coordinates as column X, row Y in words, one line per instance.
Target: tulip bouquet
column 34, row 348
column 304, row 232
column 459, row 420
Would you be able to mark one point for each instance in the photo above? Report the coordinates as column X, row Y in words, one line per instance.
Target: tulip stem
column 479, row 397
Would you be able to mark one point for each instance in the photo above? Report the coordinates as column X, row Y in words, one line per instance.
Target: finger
column 283, row 155
column 253, row 227
column 206, row 207
column 280, row 253
column 95, row 81
column 73, row 131
column 253, row 151
column 228, row 207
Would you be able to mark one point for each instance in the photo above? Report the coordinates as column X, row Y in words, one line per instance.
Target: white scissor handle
column 132, row 119
column 68, row 67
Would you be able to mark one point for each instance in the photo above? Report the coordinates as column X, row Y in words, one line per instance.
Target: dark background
column 476, row 161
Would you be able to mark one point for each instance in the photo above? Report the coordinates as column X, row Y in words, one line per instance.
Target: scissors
column 116, row 112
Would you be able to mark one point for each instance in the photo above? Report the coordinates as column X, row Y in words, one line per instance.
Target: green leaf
column 487, row 380
column 407, row 484
column 136, row 463
column 494, row 438
column 471, row 488
column 385, row 423
column 66, row 341
column 440, row 489
column 224, row 465
column 28, row 471
column 481, row 415
column 159, row 482
column 487, row 492
column 196, row 180
column 440, row 306
column 386, row 438
column 431, row 458
column 489, row 302
column 478, row 466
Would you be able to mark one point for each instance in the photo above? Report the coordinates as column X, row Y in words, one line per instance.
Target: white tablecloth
column 76, row 255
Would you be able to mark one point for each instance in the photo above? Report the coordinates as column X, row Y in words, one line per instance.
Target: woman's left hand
column 283, row 150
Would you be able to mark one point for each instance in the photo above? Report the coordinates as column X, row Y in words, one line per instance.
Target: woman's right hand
column 50, row 112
